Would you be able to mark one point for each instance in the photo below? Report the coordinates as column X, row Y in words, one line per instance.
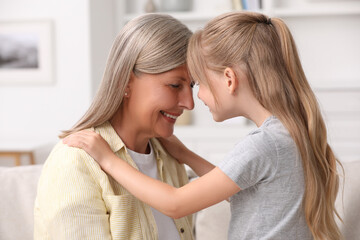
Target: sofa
column 18, row 191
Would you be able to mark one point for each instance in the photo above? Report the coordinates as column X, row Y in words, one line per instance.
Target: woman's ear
column 129, row 85
column 127, row 91
column 232, row 82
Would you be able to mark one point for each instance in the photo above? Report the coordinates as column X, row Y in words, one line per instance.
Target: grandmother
column 145, row 88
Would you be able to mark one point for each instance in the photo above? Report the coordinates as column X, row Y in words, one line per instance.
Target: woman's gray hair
column 151, row 43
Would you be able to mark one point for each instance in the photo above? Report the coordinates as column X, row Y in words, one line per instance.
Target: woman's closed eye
column 175, row 85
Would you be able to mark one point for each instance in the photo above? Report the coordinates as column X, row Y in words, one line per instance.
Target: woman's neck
column 132, row 138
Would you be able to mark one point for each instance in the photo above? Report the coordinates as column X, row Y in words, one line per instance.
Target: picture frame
column 26, row 52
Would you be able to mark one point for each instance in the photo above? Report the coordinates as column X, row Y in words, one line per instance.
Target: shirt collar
column 158, row 148
column 109, row 134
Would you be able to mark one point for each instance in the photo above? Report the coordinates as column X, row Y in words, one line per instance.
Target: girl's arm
column 203, row 192
column 180, row 152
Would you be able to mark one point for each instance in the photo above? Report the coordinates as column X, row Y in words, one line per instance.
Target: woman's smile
column 171, row 117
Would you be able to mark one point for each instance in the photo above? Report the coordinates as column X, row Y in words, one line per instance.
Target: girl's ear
column 232, row 82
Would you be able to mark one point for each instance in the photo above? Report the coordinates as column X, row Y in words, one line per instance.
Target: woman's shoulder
column 63, row 158
column 67, row 153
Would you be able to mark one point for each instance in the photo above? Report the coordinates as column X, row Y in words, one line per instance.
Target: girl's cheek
column 202, row 99
column 199, row 94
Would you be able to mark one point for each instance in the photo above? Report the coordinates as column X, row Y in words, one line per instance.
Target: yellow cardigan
column 77, row 200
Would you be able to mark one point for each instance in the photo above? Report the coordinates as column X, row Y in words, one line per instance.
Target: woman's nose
column 186, row 99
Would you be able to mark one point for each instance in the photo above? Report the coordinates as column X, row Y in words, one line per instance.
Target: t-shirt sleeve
column 252, row 161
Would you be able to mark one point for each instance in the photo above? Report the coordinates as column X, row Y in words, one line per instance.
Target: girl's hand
column 175, row 147
column 92, row 143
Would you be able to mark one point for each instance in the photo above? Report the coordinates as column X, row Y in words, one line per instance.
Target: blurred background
column 70, row 40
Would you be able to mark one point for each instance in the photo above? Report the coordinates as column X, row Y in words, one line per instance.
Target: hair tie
column 268, row 21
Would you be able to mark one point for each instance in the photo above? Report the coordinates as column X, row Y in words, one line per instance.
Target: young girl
column 282, row 177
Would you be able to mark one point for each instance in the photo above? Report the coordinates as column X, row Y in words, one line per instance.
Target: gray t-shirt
column 267, row 167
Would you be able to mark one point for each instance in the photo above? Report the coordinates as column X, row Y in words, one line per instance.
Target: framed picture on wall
column 26, row 54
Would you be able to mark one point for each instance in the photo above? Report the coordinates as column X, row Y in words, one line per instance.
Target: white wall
column 82, row 35
column 102, row 33
column 83, row 31
column 40, row 111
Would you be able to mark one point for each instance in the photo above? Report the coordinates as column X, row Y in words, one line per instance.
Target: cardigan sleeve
column 69, row 202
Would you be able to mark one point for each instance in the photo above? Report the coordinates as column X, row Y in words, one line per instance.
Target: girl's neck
column 129, row 134
column 261, row 117
column 247, row 104
column 257, row 113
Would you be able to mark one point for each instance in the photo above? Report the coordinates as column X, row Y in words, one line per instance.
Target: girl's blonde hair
column 264, row 49
column 151, row 43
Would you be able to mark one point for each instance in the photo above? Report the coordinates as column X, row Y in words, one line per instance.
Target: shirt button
column 182, row 230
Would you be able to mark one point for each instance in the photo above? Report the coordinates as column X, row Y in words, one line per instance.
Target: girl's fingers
column 90, row 142
column 81, row 139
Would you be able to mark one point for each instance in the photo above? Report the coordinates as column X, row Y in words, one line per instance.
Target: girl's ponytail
column 319, row 161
